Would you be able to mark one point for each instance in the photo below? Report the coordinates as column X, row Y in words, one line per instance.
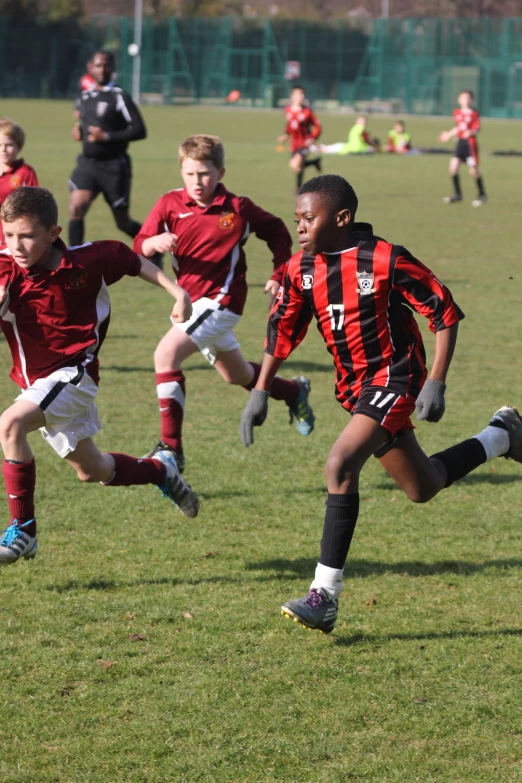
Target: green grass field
column 142, row 646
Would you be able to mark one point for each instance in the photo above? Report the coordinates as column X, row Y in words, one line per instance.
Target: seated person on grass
column 358, row 142
column 398, row 139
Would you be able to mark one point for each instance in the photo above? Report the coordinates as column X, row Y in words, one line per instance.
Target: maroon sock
column 132, row 470
column 170, row 387
column 281, row 389
column 20, row 479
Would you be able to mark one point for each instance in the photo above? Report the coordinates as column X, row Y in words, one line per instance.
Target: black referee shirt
column 113, row 110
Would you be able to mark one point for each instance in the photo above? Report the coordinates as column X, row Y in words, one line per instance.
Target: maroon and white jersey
column 466, row 120
column 210, row 260
column 59, row 318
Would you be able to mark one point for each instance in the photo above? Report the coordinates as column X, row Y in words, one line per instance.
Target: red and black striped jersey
column 466, row 120
column 362, row 299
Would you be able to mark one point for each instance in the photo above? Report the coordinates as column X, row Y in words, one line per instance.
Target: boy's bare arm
column 268, row 372
column 183, row 308
column 445, row 342
column 430, row 405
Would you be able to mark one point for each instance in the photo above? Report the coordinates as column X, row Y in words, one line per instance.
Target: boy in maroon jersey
column 302, row 128
column 205, row 227
column 54, row 312
column 14, row 171
column 360, row 289
column 467, row 127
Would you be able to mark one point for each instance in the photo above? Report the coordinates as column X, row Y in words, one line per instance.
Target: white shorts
column 67, row 399
column 211, row 327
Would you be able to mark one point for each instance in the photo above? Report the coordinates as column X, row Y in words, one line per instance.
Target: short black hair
column 297, row 87
column 338, row 192
column 106, row 53
column 470, row 93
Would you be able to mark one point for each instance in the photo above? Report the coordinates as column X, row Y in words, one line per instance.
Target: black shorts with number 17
column 110, row 177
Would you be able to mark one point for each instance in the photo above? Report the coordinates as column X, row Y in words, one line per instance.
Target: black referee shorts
column 110, row 177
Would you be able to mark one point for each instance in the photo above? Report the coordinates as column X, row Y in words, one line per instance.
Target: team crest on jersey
column 78, row 281
column 15, row 181
column 308, row 281
column 101, row 108
column 280, row 294
column 226, row 220
column 366, row 283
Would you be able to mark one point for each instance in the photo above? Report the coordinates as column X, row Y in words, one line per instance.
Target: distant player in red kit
column 54, row 312
column 361, row 290
column 205, row 227
column 14, row 171
column 467, row 127
column 303, row 129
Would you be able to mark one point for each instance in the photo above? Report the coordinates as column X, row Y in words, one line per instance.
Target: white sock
column 329, row 579
column 495, row 441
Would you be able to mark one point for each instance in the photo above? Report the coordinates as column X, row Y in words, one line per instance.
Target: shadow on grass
column 243, row 493
column 297, row 366
column 116, row 368
column 358, row 638
column 305, row 566
column 473, row 478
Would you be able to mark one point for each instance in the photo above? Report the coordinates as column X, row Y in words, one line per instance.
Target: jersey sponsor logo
column 366, row 283
column 101, row 108
column 78, row 280
column 185, row 214
column 226, row 220
column 15, row 181
column 308, row 281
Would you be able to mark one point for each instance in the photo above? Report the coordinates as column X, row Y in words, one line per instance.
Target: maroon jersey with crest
column 59, row 318
column 210, row 260
column 362, row 300
column 18, row 175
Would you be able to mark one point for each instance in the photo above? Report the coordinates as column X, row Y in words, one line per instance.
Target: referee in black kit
column 108, row 120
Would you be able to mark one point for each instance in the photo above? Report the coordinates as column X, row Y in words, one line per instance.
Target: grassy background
column 421, row 679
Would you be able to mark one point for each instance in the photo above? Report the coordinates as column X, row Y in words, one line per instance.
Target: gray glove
column 255, row 413
column 430, row 405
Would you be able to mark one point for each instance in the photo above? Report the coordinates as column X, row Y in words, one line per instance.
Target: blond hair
column 13, row 131
column 202, row 147
column 30, row 202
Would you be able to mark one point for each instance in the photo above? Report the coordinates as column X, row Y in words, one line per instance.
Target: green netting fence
column 414, row 65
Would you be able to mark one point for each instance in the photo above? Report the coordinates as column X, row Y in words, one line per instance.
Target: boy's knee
column 420, row 494
column 10, row 426
column 340, row 467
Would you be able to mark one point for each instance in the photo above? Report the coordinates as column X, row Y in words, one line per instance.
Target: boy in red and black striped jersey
column 303, row 129
column 466, row 129
column 361, row 290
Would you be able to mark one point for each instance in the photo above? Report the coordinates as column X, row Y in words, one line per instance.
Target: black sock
column 134, row 228
column 461, row 459
column 339, row 524
column 76, row 232
column 480, row 186
column 299, row 178
column 456, row 185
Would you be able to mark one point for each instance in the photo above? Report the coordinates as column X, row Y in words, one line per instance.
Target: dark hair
column 337, row 191
column 469, row 92
column 107, row 54
column 297, row 87
column 30, row 202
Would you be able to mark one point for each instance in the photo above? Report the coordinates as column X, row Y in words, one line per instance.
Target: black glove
column 430, row 405
column 255, row 413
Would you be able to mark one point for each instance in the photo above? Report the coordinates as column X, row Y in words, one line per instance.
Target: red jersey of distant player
column 468, row 120
column 301, row 125
column 16, row 176
column 210, row 260
column 59, row 318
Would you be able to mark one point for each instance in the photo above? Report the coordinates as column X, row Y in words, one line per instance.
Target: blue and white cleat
column 316, row 611
column 301, row 410
column 160, row 446
column 17, row 543
column 175, row 488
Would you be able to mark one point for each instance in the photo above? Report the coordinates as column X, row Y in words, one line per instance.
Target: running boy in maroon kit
column 14, row 171
column 303, row 129
column 205, row 227
column 54, row 312
column 360, row 289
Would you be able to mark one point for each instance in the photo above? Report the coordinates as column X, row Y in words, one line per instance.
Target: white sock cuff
column 495, row 441
column 329, row 579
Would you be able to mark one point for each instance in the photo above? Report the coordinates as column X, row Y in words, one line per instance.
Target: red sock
column 281, row 388
column 20, row 480
column 170, row 387
column 132, row 470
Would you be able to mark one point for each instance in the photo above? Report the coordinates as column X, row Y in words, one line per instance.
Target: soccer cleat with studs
column 452, row 199
column 160, row 446
column 317, row 611
column 509, row 419
column 300, row 410
column 16, row 543
column 175, row 488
